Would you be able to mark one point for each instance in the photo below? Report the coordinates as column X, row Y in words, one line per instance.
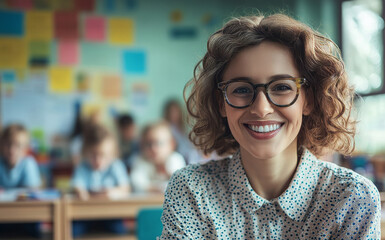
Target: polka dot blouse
column 323, row 201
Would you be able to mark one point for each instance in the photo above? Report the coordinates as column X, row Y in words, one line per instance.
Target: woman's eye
column 281, row 87
column 242, row 90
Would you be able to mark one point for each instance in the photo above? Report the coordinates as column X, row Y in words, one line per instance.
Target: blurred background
column 62, row 62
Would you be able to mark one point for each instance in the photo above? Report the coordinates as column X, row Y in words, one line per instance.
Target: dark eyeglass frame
column 298, row 81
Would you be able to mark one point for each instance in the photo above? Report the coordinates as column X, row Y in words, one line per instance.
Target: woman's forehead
column 262, row 61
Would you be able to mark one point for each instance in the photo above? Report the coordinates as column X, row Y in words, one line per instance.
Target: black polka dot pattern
column 324, row 201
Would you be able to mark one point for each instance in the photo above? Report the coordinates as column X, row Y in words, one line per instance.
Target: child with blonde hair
column 100, row 174
column 17, row 170
column 158, row 160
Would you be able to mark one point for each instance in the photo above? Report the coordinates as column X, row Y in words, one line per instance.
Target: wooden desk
column 33, row 211
column 129, row 207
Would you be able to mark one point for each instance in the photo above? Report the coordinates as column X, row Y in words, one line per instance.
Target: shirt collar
column 240, row 186
column 296, row 199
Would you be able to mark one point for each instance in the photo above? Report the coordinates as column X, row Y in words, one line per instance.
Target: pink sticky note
column 68, row 52
column 95, row 29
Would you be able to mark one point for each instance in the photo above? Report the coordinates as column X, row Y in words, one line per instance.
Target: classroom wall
column 134, row 67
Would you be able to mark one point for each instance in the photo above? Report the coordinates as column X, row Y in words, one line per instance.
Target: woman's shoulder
column 345, row 183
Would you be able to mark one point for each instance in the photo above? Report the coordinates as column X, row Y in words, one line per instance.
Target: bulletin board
column 111, row 55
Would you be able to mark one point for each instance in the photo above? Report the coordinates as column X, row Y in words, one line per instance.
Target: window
column 362, row 44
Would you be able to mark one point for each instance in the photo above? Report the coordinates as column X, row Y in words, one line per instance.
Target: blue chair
column 149, row 225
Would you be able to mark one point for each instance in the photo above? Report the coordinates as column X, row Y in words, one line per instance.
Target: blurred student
column 128, row 143
column 80, row 127
column 99, row 175
column 174, row 114
column 158, row 160
column 18, row 170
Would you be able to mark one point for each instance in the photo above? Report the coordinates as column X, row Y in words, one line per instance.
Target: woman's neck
column 271, row 177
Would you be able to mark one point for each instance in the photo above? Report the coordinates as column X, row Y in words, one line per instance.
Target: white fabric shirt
column 144, row 175
column 323, row 201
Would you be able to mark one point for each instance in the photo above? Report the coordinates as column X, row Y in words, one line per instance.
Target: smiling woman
column 273, row 93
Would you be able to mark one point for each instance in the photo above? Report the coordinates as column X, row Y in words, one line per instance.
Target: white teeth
column 264, row 129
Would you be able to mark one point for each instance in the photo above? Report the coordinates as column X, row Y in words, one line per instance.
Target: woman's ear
column 307, row 106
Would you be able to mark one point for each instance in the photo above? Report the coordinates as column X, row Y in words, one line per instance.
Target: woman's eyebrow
column 274, row 77
column 280, row 76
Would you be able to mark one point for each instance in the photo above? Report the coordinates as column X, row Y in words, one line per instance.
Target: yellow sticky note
column 121, row 31
column 13, row 53
column 39, row 25
column 60, row 79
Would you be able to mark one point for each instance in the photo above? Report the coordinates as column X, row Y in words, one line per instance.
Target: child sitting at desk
column 100, row 175
column 17, row 170
column 152, row 169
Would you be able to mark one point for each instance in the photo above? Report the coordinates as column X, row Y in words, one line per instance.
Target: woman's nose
column 261, row 105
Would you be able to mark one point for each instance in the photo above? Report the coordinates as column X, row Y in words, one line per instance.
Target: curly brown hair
column 318, row 59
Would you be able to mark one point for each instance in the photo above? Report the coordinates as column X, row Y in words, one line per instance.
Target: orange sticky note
column 111, row 87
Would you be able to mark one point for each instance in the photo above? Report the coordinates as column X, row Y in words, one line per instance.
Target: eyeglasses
column 241, row 93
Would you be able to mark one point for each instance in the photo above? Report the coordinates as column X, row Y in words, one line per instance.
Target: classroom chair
column 149, row 225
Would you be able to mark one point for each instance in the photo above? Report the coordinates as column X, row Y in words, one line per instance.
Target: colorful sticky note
column 39, row 53
column 20, row 4
column 121, row 31
column 11, row 23
column 111, row 87
column 8, row 77
column 66, row 25
column 61, row 5
column 176, row 16
column 95, row 29
column 82, row 82
column 209, row 20
column 13, row 53
column 43, row 4
column 60, row 79
column 109, row 5
column 85, row 5
column 134, row 61
column 183, row 32
column 130, row 4
column 39, row 25
column 68, row 52
column 140, row 97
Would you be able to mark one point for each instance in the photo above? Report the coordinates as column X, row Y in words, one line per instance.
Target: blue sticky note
column 134, row 61
column 8, row 77
column 130, row 4
column 183, row 32
column 11, row 23
column 109, row 5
